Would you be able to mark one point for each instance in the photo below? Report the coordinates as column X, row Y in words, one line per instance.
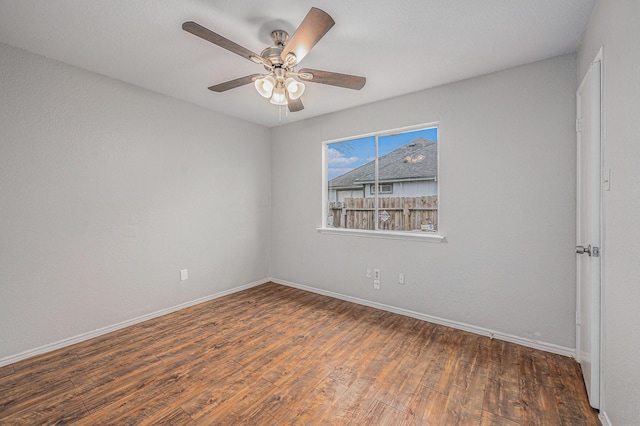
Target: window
column 386, row 188
column 383, row 182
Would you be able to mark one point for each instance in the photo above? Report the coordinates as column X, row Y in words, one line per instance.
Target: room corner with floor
column 162, row 260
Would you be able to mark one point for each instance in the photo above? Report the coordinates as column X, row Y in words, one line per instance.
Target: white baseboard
column 604, row 419
column 548, row 347
column 108, row 329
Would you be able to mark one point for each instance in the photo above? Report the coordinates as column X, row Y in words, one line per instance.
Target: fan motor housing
column 272, row 54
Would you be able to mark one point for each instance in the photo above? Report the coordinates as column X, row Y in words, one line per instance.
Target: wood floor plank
column 169, row 417
column 438, row 375
column 46, row 362
column 503, row 353
column 297, row 392
column 7, row 370
column 502, row 392
column 240, row 405
column 26, row 395
column 538, row 403
column 569, row 391
column 462, row 407
column 364, row 383
column 428, row 406
column 351, row 405
column 534, row 365
column 205, row 394
column 412, row 365
column 322, row 355
column 383, row 414
column 278, row 355
column 58, row 410
column 133, row 408
column 50, row 367
column 490, row 419
column 286, row 363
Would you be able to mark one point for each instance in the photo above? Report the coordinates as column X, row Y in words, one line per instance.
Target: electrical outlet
column 400, row 278
column 376, row 274
column 184, row 274
column 368, row 275
column 376, row 284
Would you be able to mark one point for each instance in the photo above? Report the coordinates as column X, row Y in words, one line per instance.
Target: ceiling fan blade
column 217, row 39
column 333, row 78
column 294, row 105
column 314, row 26
column 232, row 84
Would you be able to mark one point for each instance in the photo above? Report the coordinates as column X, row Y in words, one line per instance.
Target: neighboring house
column 408, row 171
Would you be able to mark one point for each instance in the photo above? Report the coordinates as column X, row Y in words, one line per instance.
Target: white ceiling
column 401, row 46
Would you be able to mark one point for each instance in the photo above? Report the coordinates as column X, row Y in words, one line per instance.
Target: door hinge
column 578, row 125
column 578, row 318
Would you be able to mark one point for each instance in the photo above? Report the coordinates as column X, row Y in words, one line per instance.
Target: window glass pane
column 409, row 162
column 350, row 168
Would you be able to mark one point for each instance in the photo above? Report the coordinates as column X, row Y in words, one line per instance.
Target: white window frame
column 394, row 235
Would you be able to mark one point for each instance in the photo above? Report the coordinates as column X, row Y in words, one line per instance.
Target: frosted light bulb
column 278, row 97
column 294, row 87
column 265, row 86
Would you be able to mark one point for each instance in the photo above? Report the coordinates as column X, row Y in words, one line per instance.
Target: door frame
column 599, row 126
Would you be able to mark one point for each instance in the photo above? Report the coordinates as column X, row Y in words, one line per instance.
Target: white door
column 589, row 180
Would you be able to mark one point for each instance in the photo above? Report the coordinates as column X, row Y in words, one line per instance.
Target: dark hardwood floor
column 277, row 355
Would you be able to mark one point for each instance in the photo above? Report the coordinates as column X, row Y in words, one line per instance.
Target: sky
column 342, row 157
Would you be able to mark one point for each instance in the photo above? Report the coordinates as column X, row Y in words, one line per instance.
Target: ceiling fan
column 282, row 85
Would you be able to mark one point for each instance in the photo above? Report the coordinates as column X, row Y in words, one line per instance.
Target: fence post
column 406, row 215
column 343, row 214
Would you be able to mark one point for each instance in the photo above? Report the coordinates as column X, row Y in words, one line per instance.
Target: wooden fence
column 398, row 214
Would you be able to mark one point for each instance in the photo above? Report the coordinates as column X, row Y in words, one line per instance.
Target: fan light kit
column 279, row 90
column 282, row 84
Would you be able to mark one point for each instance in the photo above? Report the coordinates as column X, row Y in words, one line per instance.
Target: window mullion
column 376, row 186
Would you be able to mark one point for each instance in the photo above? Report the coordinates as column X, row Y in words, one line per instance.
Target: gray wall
column 614, row 25
column 107, row 191
column 507, row 187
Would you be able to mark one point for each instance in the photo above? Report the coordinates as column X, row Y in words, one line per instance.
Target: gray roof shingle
column 417, row 160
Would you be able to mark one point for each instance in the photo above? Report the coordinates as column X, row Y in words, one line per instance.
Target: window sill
column 389, row 235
